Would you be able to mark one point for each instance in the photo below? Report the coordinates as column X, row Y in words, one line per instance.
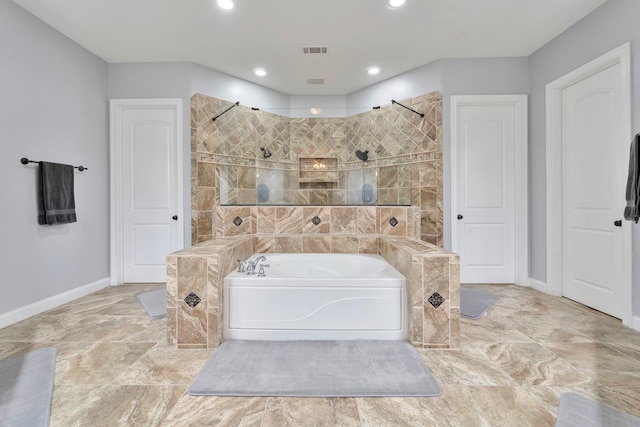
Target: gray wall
column 331, row 105
column 53, row 107
column 223, row 86
column 424, row 79
column 609, row 26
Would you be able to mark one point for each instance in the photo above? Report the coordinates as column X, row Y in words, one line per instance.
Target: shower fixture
column 235, row 104
column 265, row 152
column 362, row 155
column 393, row 101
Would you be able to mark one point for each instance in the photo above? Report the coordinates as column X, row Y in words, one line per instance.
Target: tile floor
column 114, row 369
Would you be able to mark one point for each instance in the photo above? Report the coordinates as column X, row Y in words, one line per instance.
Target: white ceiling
column 271, row 33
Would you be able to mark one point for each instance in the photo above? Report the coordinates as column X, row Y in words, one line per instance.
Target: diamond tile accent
column 393, row 221
column 316, row 220
column 237, row 221
column 436, row 300
column 192, row 300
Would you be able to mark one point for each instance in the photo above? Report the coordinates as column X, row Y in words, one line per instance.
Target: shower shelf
column 318, row 170
column 317, row 179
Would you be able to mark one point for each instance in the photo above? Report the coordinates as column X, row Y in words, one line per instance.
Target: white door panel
column 479, row 237
column 485, row 238
column 592, row 188
column 484, row 163
column 150, row 192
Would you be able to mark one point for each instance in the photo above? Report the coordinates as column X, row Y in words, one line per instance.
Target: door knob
column 460, row 217
column 175, row 217
column 618, row 223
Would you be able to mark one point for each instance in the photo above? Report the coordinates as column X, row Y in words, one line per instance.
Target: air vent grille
column 314, row 50
column 315, row 81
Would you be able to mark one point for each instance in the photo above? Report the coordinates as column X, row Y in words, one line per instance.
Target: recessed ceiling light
column 315, row 110
column 396, row 3
column 261, row 72
column 373, row 70
column 226, row 4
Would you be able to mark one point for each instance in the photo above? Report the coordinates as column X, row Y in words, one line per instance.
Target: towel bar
column 26, row 161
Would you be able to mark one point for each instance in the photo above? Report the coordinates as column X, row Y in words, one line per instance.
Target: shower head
column 265, row 152
column 362, row 155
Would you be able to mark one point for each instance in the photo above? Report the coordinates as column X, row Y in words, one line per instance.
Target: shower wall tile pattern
column 194, row 290
column 404, row 166
column 433, row 290
column 293, row 228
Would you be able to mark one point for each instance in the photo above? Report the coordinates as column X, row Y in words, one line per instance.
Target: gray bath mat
column 154, row 303
column 578, row 411
column 474, row 303
column 315, row 369
column 26, row 388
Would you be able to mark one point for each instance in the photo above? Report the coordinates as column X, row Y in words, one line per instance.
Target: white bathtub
column 316, row 296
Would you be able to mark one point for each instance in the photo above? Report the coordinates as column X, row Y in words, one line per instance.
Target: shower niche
column 318, row 172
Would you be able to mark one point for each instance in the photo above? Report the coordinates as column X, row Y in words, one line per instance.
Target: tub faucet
column 251, row 268
column 242, row 265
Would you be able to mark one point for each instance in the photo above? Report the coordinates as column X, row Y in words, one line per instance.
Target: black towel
column 632, row 210
column 57, row 204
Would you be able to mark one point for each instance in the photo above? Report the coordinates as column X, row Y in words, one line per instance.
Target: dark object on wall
column 393, row 101
column 367, row 193
column 262, row 193
column 265, row 152
column 56, row 198
column 234, row 105
column 632, row 210
column 26, row 161
column 362, row 155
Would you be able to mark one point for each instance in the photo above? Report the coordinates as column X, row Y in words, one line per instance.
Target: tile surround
column 290, row 221
column 429, row 270
column 405, row 151
column 405, row 154
column 195, row 317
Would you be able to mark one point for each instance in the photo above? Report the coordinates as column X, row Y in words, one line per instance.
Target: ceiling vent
column 315, row 81
column 314, row 50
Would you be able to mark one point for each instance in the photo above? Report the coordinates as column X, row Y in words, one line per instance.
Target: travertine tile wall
column 194, row 290
column 320, row 229
column 405, row 151
column 433, row 290
column 195, row 276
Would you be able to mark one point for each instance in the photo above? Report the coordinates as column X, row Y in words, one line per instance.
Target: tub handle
column 261, row 272
column 242, row 265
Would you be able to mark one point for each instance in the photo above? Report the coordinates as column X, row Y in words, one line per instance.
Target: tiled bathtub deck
column 114, row 368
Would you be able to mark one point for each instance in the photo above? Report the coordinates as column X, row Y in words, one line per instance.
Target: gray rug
column 578, row 411
column 315, row 369
column 26, row 388
column 474, row 303
column 154, row 303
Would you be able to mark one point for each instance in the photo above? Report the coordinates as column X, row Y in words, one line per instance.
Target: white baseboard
column 15, row 316
column 636, row 323
column 538, row 285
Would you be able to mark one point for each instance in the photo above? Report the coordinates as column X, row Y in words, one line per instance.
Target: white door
column 485, row 137
column 594, row 165
column 148, row 155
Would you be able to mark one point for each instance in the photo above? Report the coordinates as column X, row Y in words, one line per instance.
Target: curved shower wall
column 404, row 166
